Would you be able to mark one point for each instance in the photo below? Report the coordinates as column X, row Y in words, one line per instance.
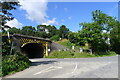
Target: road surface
column 101, row 67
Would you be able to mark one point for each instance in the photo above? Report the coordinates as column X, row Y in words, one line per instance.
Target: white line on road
column 75, row 68
column 47, row 70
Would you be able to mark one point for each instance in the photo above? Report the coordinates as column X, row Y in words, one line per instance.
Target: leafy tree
column 96, row 34
column 14, row 31
column 42, row 31
column 92, row 34
column 28, row 30
column 72, row 36
column 115, row 38
column 51, row 31
column 5, row 13
column 41, row 28
column 46, row 31
column 63, row 31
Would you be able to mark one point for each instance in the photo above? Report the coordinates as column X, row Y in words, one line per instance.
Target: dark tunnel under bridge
column 33, row 50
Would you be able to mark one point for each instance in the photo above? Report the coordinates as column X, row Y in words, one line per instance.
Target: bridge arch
column 33, row 49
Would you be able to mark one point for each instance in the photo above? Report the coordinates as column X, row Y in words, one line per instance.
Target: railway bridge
column 33, row 47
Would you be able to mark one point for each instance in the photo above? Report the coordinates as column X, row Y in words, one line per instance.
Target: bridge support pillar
column 46, row 49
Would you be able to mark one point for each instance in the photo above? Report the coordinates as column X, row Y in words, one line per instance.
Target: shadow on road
column 42, row 62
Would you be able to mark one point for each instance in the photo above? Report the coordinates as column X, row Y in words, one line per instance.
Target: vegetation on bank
column 12, row 59
column 68, row 44
column 14, row 63
column 69, row 54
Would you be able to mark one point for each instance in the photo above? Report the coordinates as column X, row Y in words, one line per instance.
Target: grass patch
column 69, row 54
column 69, row 45
column 66, row 43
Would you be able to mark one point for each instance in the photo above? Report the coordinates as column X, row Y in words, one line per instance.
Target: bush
column 55, row 38
column 5, row 48
column 14, row 63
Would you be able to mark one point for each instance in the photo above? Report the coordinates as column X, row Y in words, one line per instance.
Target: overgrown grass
column 69, row 45
column 14, row 63
column 69, row 54
column 66, row 43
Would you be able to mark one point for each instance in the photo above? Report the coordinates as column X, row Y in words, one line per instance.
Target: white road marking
column 75, row 68
column 48, row 69
column 84, row 69
column 92, row 67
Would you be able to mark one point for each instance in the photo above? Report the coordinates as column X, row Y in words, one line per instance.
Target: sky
column 70, row 14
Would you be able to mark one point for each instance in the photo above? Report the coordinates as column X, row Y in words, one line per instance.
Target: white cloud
column 14, row 23
column 45, row 24
column 50, row 22
column 36, row 11
column 53, row 21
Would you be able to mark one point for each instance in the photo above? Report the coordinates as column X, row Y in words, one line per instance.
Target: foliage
column 69, row 54
column 46, row 31
column 92, row 33
column 66, row 43
column 5, row 48
column 14, row 31
column 63, row 32
column 115, row 38
column 61, row 54
column 55, row 38
column 28, row 30
column 73, row 37
column 52, row 31
column 14, row 63
column 6, row 15
column 69, row 45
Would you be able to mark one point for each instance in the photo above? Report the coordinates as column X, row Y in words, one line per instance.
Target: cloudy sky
column 33, row 13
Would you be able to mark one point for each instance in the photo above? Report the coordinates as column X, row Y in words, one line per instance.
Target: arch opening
column 33, row 50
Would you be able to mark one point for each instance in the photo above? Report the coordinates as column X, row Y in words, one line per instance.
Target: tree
column 41, row 28
column 28, row 30
column 72, row 36
column 6, row 15
column 63, row 31
column 96, row 34
column 14, row 31
column 51, row 31
column 92, row 34
column 46, row 31
column 115, row 37
column 42, row 31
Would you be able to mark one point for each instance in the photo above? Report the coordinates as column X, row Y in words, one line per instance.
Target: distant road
column 101, row 67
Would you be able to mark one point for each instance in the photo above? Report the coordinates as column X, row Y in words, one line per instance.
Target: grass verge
column 69, row 54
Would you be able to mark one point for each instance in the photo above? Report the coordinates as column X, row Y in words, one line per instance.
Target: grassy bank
column 69, row 45
column 69, row 54
column 14, row 63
